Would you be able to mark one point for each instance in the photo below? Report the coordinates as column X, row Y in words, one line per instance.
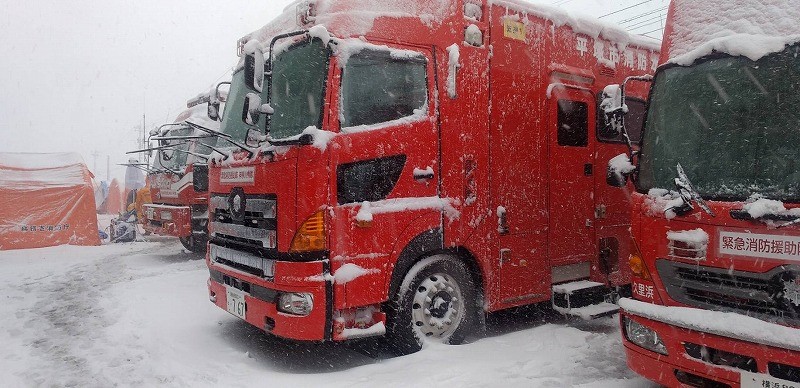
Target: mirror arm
column 225, row 136
column 628, row 142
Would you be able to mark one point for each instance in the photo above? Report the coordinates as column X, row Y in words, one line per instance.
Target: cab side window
column 573, row 123
column 634, row 121
column 377, row 88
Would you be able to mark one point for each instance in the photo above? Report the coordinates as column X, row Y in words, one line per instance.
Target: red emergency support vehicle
column 716, row 215
column 178, row 179
column 421, row 163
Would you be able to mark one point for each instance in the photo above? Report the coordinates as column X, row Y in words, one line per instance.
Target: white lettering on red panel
column 237, row 175
column 644, row 291
column 760, row 245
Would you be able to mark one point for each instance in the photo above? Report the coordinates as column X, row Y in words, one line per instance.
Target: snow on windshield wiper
column 688, row 195
column 221, row 135
column 768, row 210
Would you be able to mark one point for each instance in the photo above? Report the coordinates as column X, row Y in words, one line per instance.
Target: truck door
column 571, row 239
column 385, row 158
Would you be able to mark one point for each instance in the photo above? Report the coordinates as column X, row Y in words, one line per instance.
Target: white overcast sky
column 77, row 76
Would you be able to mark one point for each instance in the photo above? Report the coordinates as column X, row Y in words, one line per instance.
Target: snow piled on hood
column 752, row 28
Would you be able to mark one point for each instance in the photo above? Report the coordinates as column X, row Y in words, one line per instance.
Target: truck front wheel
column 194, row 243
column 436, row 301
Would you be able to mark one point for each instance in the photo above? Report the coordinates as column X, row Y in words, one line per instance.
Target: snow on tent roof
column 31, row 171
column 752, row 28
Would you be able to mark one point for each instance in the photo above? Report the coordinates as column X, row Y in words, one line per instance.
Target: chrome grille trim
column 266, row 238
column 747, row 293
column 251, row 263
column 267, row 207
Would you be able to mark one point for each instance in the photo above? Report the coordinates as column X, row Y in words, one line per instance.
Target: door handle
column 420, row 174
column 587, row 169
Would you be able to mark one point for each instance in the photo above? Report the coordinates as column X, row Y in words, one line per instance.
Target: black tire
column 437, row 301
column 194, row 244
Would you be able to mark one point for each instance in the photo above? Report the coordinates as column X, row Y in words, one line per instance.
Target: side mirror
column 213, row 110
column 619, row 169
column 613, row 111
column 254, row 137
column 254, row 66
column 253, row 109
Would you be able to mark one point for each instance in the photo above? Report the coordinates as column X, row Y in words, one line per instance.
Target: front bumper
column 666, row 369
column 261, row 297
column 167, row 220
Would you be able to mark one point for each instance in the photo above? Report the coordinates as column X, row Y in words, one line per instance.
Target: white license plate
column 757, row 380
column 236, row 304
column 150, row 213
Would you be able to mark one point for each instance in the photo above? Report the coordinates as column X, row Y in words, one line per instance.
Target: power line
column 645, row 23
column 634, row 18
column 623, row 9
column 650, row 32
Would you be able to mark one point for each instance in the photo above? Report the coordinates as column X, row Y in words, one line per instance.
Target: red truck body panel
column 494, row 146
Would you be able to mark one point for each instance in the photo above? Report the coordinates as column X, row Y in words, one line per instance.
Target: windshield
column 232, row 123
column 170, row 159
column 732, row 123
column 298, row 85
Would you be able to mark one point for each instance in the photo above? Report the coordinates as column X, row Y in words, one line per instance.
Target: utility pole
column 95, row 154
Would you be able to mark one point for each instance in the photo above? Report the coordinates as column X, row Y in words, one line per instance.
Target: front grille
column 247, row 223
column 785, row 372
column 721, row 357
column 759, row 295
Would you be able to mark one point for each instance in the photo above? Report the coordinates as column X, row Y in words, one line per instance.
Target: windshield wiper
column 688, row 195
column 741, row 214
column 221, row 135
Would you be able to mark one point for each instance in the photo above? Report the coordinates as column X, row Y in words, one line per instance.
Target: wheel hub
column 437, row 306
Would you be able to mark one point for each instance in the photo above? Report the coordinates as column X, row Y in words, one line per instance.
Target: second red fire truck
column 403, row 168
column 716, row 215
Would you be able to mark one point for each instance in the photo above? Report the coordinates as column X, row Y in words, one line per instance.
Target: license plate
column 150, row 213
column 236, row 304
column 757, row 380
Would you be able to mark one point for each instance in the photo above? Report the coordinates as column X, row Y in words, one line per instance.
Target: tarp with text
column 46, row 200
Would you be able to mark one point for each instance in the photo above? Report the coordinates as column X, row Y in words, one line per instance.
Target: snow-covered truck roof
column 379, row 19
column 751, row 28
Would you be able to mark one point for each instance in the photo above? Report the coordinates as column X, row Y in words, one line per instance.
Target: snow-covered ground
column 138, row 315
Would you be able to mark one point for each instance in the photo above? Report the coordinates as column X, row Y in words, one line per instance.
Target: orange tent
column 46, row 200
column 115, row 200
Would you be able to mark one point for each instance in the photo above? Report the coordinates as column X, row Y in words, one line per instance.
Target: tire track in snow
column 68, row 320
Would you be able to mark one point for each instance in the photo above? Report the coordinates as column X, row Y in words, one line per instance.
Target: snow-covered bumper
column 168, row 220
column 292, row 301
column 679, row 346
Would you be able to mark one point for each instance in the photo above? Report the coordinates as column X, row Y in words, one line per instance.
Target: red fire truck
column 412, row 165
column 716, row 215
column 179, row 177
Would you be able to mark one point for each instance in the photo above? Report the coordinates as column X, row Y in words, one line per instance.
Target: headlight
column 643, row 336
column 296, row 303
column 166, row 216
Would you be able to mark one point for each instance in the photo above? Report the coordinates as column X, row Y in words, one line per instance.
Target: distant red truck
column 179, row 181
column 416, row 164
